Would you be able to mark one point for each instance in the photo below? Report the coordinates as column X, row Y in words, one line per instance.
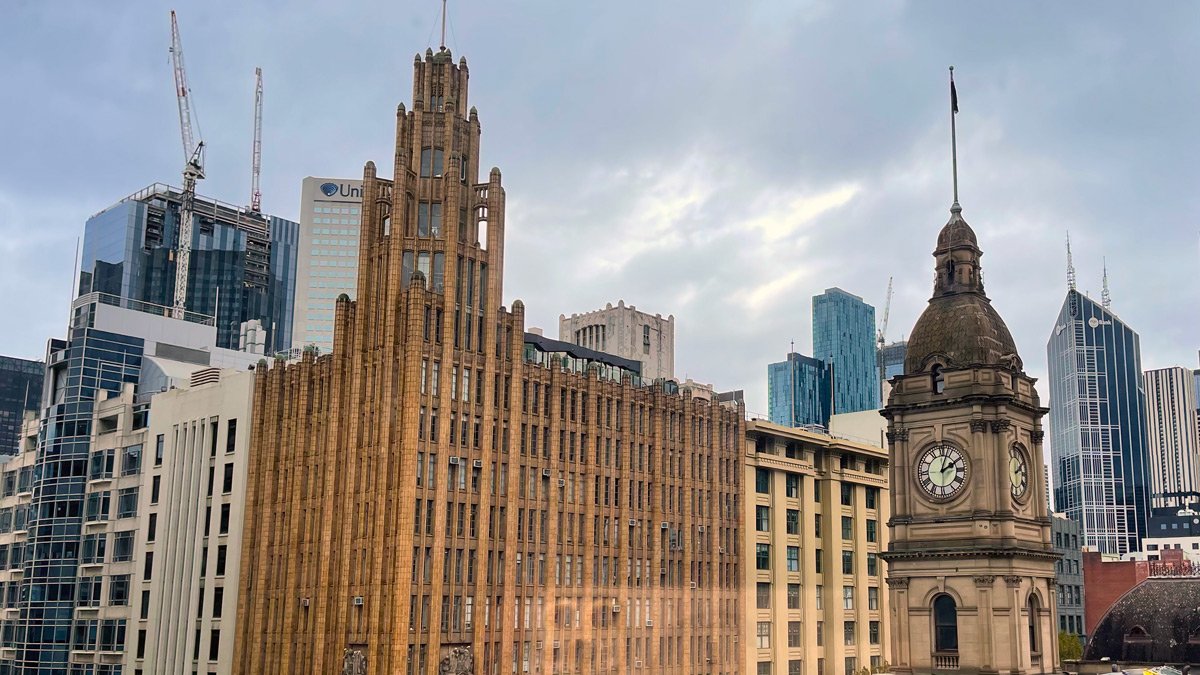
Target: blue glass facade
column 799, row 391
column 892, row 358
column 88, row 362
column 20, row 390
column 243, row 266
column 844, row 334
column 1098, row 425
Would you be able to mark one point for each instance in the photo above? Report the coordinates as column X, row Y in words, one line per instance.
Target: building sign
column 340, row 189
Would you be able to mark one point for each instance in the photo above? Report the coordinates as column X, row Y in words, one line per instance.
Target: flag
column 953, row 98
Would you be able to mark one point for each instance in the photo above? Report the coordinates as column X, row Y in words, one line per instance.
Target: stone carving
column 1038, row 436
column 460, row 661
column 1000, row 425
column 979, row 426
column 354, row 662
column 985, row 581
column 1012, row 581
column 902, row 434
column 897, row 582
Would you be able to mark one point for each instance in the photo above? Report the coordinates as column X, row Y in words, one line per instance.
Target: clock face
column 1018, row 471
column 942, row 471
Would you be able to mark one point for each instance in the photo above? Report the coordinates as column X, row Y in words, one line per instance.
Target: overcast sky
column 719, row 161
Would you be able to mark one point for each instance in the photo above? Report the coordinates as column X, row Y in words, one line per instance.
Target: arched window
column 939, row 380
column 1034, row 646
column 1137, row 644
column 945, row 624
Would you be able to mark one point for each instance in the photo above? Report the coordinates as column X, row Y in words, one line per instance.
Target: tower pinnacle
column 1105, row 298
column 1070, row 265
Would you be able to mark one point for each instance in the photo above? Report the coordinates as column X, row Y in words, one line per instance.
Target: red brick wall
column 1105, row 582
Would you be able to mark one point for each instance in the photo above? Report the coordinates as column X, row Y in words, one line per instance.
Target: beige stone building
column 445, row 493
column 970, row 563
column 816, row 516
column 627, row 332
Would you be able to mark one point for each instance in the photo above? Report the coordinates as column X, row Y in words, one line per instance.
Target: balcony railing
column 945, row 661
column 144, row 307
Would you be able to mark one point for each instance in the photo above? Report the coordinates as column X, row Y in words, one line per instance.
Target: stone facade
column 970, row 564
column 438, row 495
column 626, row 332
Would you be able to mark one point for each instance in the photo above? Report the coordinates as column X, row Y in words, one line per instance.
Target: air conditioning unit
column 616, row 608
column 720, row 549
column 665, row 525
column 304, row 602
column 692, row 585
column 545, row 473
column 637, row 664
column 650, row 623
column 538, row 645
column 562, row 482
column 700, row 528
column 454, row 460
column 478, row 464
column 358, row 601
column 633, row 522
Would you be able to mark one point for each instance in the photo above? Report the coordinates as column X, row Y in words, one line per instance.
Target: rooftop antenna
column 1105, row 297
column 1070, row 264
column 955, row 208
column 443, row 25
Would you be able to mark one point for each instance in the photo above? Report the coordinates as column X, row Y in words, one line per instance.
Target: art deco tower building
column 444, row 493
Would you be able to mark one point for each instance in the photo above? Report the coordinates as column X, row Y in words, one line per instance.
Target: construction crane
column 256, row 157
column 193, row 170
column 881, row 335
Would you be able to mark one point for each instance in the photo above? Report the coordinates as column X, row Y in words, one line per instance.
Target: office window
column 817, row 525
column 762, row 595
column 847, row 528
column 762, row 519
column 792, row 518
column 847, row 494
column 218, row 601
column 148, row 568
column 231, row 436
column 851, row 665
column 793, row 558
column 792, row 486
column 820, row 637
column 847, row 597
column 221, row 553
column 872, row 597
column 131, row 460
column 118, row 589
column 123, row 546
column 848, row 630
column 872, row 498
column 762, row 556
column 793, row 596
column 872, row 530
column 820, row 596
column 762, row 481
column 764, row 668
column 873, row 630
column 793, row 634
column 817, row 561
column 872, row 565
column 155, row 486
column 227, row 480
column 795, row 667
column 214, row 644
column 158, row 450
column 763, row 635
column 847, row 562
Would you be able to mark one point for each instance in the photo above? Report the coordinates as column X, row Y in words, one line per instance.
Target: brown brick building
column 444, row 490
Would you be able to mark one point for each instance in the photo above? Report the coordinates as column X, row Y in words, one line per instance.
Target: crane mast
column 881, row 335
column 193, row 170
column 256, row 156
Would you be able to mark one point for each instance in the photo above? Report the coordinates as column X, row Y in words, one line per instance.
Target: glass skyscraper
column 844, row 335
column 243, row 265
column 1098, row 425
column 20, row 390
column 799, row 391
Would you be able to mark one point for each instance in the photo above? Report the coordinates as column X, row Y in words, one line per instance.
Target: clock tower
column 970, row 563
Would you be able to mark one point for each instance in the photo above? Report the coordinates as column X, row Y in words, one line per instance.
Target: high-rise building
column 327, row 256
column 1098, row 422
column 970, row 560
column 79, row 509
column 1173, row 432
column 444, row 491
column 815, row 600
column 20, row 391
column 243, row 264
column 628, row 333
column 892, row 358
column 1068, row 572
column 800, row 391
column 843, row 328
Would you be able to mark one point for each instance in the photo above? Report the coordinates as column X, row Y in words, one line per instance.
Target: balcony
column 945, row 662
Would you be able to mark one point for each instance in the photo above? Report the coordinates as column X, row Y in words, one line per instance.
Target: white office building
column 327, row 257
column 1172, row 430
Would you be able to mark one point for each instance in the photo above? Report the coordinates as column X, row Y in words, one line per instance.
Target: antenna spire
column 1070, row 265
column 1105, row 298
column 954, row 139
column 443, row 24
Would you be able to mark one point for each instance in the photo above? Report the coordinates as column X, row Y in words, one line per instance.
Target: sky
column 719, row 161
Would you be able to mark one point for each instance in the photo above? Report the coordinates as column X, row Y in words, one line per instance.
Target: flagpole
column 953, row 134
